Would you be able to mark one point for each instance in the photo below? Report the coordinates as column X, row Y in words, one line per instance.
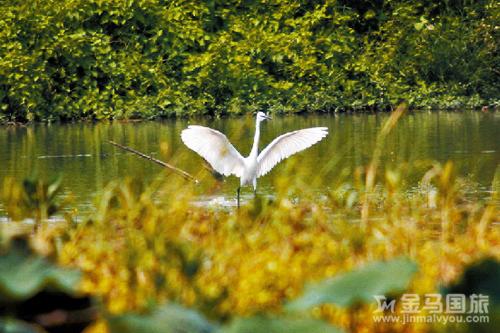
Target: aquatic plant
column 36, row 295
column 136, row 252
column 148, row 244
column 34, row 198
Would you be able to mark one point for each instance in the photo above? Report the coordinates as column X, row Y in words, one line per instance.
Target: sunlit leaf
column 360, row 285
column 23, row 274
column 170, row 318
column 278, row 325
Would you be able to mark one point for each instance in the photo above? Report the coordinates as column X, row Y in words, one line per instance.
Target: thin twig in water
column 152, row 159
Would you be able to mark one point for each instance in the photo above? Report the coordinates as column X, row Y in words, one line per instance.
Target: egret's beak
column 268, row 117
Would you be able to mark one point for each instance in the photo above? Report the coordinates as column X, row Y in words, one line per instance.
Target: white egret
column 216, row 149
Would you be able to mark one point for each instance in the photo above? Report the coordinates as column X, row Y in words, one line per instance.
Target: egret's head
column 262, row 116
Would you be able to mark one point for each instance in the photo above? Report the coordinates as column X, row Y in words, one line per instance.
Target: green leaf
column 260, row 324
column 418, row 26
column 360, row 285
column 169, row 318
column 54, row 187
column 10, row 325
column 23, row 274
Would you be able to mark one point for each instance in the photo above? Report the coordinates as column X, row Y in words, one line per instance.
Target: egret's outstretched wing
column 215, row 148
column 286, row 145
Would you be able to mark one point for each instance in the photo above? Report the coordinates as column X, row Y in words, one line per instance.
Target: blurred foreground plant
column 147, row 245
column 33, row 198
column 37, row 296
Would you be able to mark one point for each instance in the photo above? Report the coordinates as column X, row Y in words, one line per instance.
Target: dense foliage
column 99, row 59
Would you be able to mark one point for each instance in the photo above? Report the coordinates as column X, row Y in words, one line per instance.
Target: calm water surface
column 80, row 152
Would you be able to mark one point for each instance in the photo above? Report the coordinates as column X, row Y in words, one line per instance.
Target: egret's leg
column 255, row 187
column 238, row 195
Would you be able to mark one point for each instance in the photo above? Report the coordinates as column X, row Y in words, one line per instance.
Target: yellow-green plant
column 138, row 250
column 33, row 198
column 92, row 59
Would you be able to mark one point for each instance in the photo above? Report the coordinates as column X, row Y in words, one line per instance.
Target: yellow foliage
column 137, row 251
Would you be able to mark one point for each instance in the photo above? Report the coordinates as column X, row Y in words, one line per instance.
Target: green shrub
column 94, row 59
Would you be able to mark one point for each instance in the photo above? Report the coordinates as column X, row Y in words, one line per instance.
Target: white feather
column 286, row 145
column 215, row 148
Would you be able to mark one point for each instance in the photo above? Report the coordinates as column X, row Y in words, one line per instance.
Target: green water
column 80, row 152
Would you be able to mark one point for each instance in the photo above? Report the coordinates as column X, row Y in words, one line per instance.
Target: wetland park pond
column 80, row 152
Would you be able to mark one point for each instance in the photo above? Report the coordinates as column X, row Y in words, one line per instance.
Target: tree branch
column 151, row 158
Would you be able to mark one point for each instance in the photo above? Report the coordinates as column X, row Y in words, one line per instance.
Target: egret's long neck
column 255, row 148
